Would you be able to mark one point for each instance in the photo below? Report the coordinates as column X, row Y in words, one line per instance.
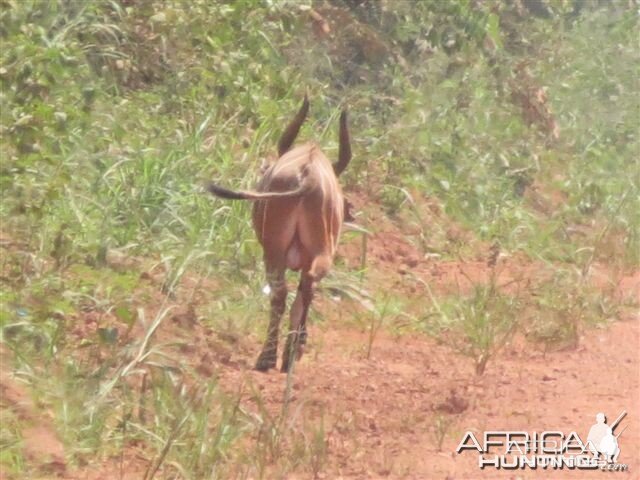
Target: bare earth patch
column 382, row 415
column 402, row 412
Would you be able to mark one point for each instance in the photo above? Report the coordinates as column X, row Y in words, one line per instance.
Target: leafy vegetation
column 477, row 326
column 518, row 119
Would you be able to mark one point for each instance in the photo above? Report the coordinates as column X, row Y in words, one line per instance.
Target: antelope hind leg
column 297, row 337
column 269, row 354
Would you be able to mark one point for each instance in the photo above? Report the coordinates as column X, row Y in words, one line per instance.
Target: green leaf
column 493, row 29
column 125, row 315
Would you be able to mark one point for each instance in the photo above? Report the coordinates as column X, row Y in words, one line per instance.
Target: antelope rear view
column 297, row 215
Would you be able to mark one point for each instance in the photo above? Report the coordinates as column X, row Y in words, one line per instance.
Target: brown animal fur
column 298, row 213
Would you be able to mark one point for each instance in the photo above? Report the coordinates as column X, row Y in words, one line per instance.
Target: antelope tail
column 222, row 192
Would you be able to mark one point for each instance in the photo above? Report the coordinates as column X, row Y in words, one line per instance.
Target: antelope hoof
column 266, row 361
column 284, row 368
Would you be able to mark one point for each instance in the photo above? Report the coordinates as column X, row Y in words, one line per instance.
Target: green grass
column 11, row 456
column 113, row 115
column 477, row 325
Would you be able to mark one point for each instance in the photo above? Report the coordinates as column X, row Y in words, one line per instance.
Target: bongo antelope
column 297, row 215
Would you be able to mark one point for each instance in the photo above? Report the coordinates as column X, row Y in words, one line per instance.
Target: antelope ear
column 348, row 211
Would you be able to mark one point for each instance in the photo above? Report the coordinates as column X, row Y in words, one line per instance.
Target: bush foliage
column 519, row 118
